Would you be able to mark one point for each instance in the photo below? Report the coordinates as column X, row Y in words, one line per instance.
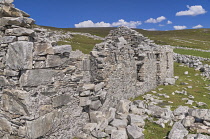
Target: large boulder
column 119, row 134
column 203, row 114
column 19, row 55
column 178, row 131
column 136, row 120
column 42, row 126
column 135, row 132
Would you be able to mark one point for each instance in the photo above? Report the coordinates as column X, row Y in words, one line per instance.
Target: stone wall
column 47, row 91
column 38, row 81
column 129, row 64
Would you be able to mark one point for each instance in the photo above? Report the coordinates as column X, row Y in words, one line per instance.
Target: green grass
column 192, row 38
column 193, row 53
column 82, row 43
column 193, row 79
column 154, row 131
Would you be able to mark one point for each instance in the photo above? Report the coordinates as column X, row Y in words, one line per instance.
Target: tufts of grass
column 198, row 90
column 193, row 79
column 82, row 43
column 193, row 53
column 154, row 131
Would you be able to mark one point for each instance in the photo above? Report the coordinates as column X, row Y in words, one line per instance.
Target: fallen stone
column 181, row 110
column 60, row 100
column 89, row 127
column 3, row 81
column 123, row 106
column 119, row 134
column 88, row 87
column 206, row 123
column 41, row 126
column 99, row 86
column 96, row 116
column 140, row 104
column 170, row 81
column 99, row 134
column 200, row 128
column 135, row 132
column 119, row 123
column 111, row 114
column 188, row 121
column 84, row 101
column 136, row 120
column 135, row 110
column 186, row 72
column 95, row 105
column 178, row 131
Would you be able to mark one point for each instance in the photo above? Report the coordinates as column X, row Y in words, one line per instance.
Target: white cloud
column 151, row 29
column 90, row 23
column 161, row 25
column 179, row 27
column 192, row 11
column 169, row 22
column 198, row 26
column 157, row 20
column 121, row 22
column 131, row 24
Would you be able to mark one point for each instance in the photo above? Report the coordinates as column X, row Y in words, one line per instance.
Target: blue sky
column 143, row 14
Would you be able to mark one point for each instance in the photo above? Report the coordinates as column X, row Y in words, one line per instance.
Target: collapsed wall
column 130, row 64
column 47, row 91
column 38, row 81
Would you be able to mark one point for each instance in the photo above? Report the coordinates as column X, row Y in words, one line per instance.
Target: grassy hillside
column 199, row 90
column 82, row 43
column 193, row 53
column 193, row 38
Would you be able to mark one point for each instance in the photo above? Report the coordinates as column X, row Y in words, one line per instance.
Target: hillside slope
column 192, row 38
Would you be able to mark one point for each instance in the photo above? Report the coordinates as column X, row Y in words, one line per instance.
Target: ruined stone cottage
column 47, row 91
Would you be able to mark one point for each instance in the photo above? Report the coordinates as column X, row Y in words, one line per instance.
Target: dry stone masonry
column 51, row 92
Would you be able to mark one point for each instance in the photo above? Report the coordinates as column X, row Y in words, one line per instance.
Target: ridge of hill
column 191, row 38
